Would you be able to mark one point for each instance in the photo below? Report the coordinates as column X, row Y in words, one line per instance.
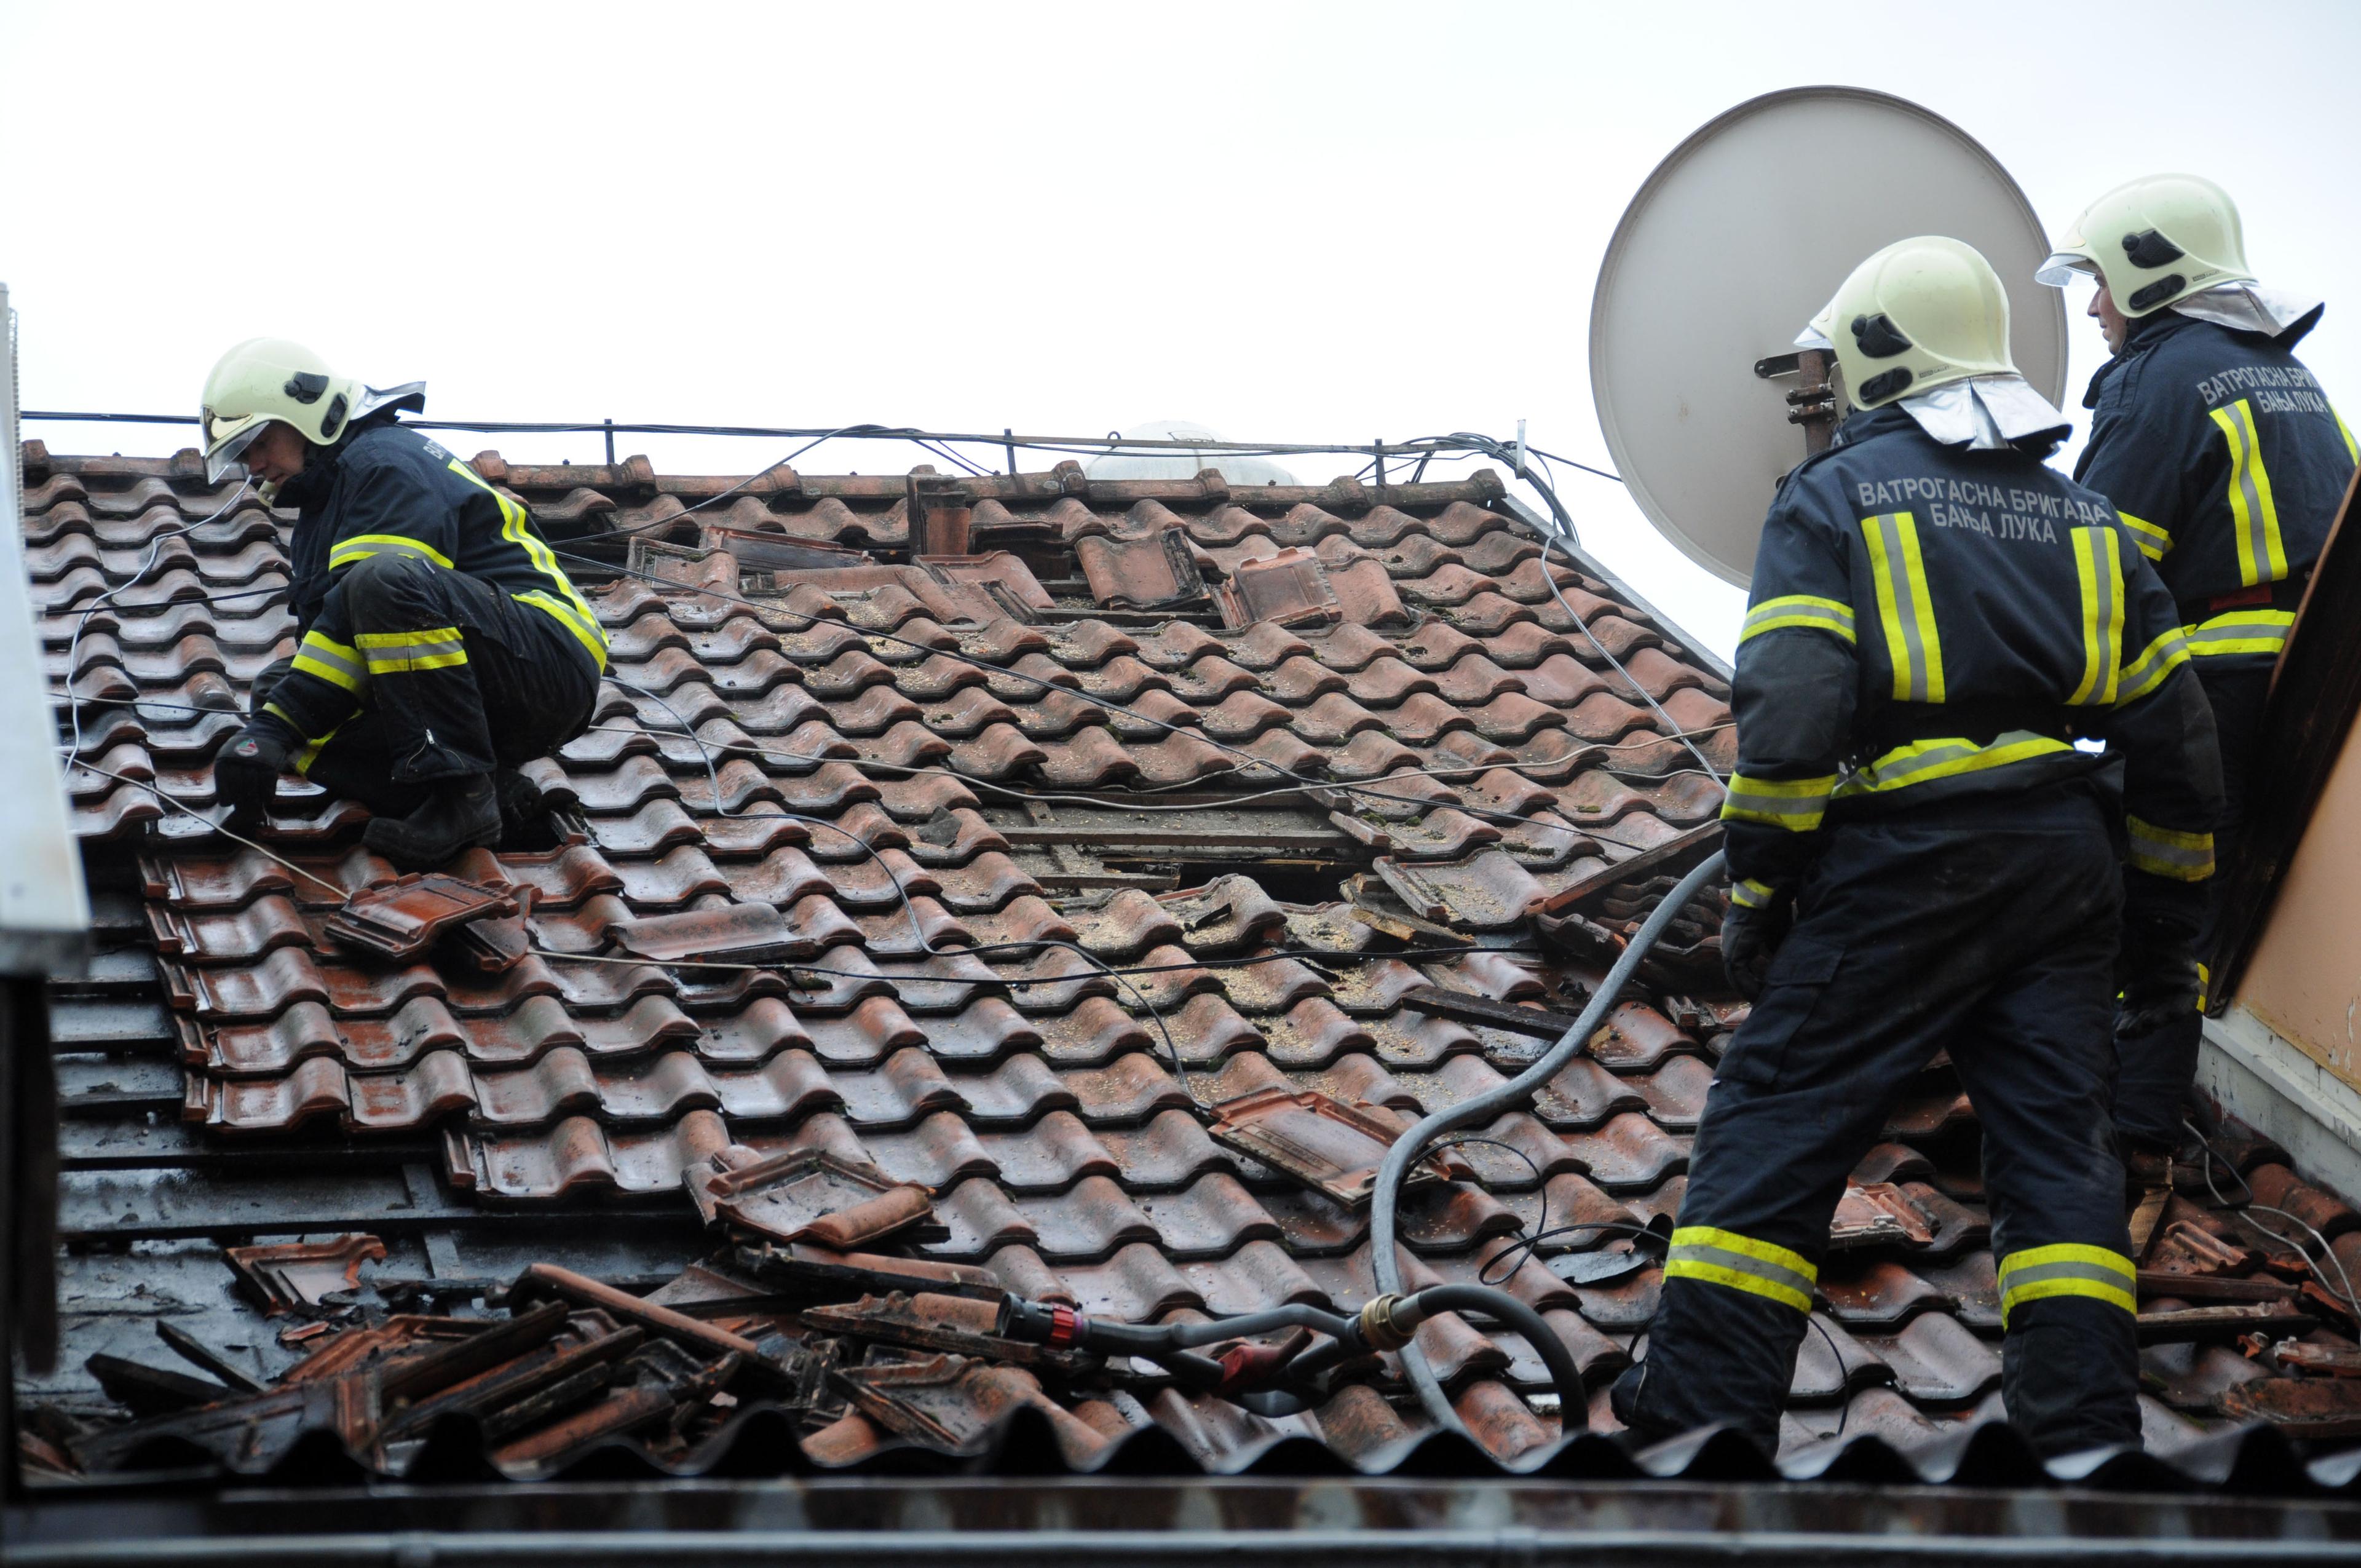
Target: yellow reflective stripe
column 407, row 639
column 338, row 664
column 2099, row 567
column 2153, row 542
column 1753, row 895
column 309, row 752
column 2204, row 980
column 1798, row 609
column 2067, row 1269
column 2240, row 631
column 1923, row 761
column 360, row 546
column 2261, row 556
column 587, row 634
column 404, row 652
column 1796, row 805
column 2352, row 447
column 1904, row 608
column 514, row 528
column 1741, row 1263
column 2168, row 852
column 2158, row 660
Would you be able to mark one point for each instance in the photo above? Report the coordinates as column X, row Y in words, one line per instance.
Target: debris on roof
column 972, row 889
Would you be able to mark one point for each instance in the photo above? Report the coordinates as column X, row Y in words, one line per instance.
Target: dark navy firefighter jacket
column 386, row 488
column 2227, row 463
column 1928, row 621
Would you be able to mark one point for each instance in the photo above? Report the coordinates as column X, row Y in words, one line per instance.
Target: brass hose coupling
column 1386, row 1325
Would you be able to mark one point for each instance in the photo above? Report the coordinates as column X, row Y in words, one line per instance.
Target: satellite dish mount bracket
column 1813, row 402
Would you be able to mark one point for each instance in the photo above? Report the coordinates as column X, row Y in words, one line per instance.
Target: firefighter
column 1924, row 861
column 439, row 642
column 2227, row 463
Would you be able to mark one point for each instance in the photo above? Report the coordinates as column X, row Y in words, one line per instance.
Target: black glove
column 246, row 771
column 1750, row 935
column 2156, row 969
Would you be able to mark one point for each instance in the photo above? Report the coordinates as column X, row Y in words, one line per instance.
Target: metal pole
column 1008, row 438
column 1380, row 444
column 1812, row 404
column 610, row 443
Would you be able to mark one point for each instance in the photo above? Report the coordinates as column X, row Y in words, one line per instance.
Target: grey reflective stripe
column 2036, row 1273
column 1926, row 761
column 2171, row 854
column 2225, row 631
column 1742, row 1263
column 2106, row 570
column 2241, row 473
column 1906, row 607
column 2158, row 652
column 1778, row 805
column 319, row 652
column 357, row 550
column 1944, row 755
column 382, row 659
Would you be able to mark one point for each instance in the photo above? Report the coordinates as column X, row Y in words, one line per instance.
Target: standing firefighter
column 2227, row 463
column 439, row 640
column 1923, row 862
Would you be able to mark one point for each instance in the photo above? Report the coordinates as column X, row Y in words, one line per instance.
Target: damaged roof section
column 969, row 885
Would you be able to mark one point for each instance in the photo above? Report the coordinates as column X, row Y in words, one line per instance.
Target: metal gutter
column 976, row 1520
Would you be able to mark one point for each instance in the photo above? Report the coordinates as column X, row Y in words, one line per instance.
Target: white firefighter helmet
column 1919, row 315
column 266, row 378
column 2153, row 241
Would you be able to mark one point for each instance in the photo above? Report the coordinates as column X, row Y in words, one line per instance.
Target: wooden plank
column 2220, row 1323
column 1703, row 836
column 2315, row 693
column 1185, row 834
column 1441, row 1001
column 2213, row 1288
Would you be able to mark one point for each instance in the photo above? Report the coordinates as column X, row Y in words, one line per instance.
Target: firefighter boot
column 461, row 813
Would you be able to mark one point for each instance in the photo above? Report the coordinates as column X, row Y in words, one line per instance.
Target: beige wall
column 2305, row 979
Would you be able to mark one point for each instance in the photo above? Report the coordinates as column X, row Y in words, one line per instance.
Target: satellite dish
column 1735, row 241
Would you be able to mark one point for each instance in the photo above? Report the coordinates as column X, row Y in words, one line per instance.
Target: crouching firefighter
column 1922, row 862
column 440, row 644
column 2227, row 463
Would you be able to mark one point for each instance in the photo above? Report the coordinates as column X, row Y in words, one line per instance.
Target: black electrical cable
column 1122, row 710
column 2248, row 1203
column 155, row 548
column 1123, row 802
column 1674, row 730
column 1561, row 539
column 1180, row 1065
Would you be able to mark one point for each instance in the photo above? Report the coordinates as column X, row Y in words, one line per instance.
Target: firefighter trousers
column 456, row 678
column 2155, row 1068
column 1984, row 928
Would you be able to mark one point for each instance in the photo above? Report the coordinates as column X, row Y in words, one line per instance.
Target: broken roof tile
column 1036, row 1090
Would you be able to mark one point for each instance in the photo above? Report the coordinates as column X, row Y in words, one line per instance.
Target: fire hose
column 1518, row 1090
column 1388, row 1322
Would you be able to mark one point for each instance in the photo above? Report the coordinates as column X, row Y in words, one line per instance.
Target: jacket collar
column 312, row 486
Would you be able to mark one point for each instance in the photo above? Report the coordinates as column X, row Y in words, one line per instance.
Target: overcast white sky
column 1286, row 221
